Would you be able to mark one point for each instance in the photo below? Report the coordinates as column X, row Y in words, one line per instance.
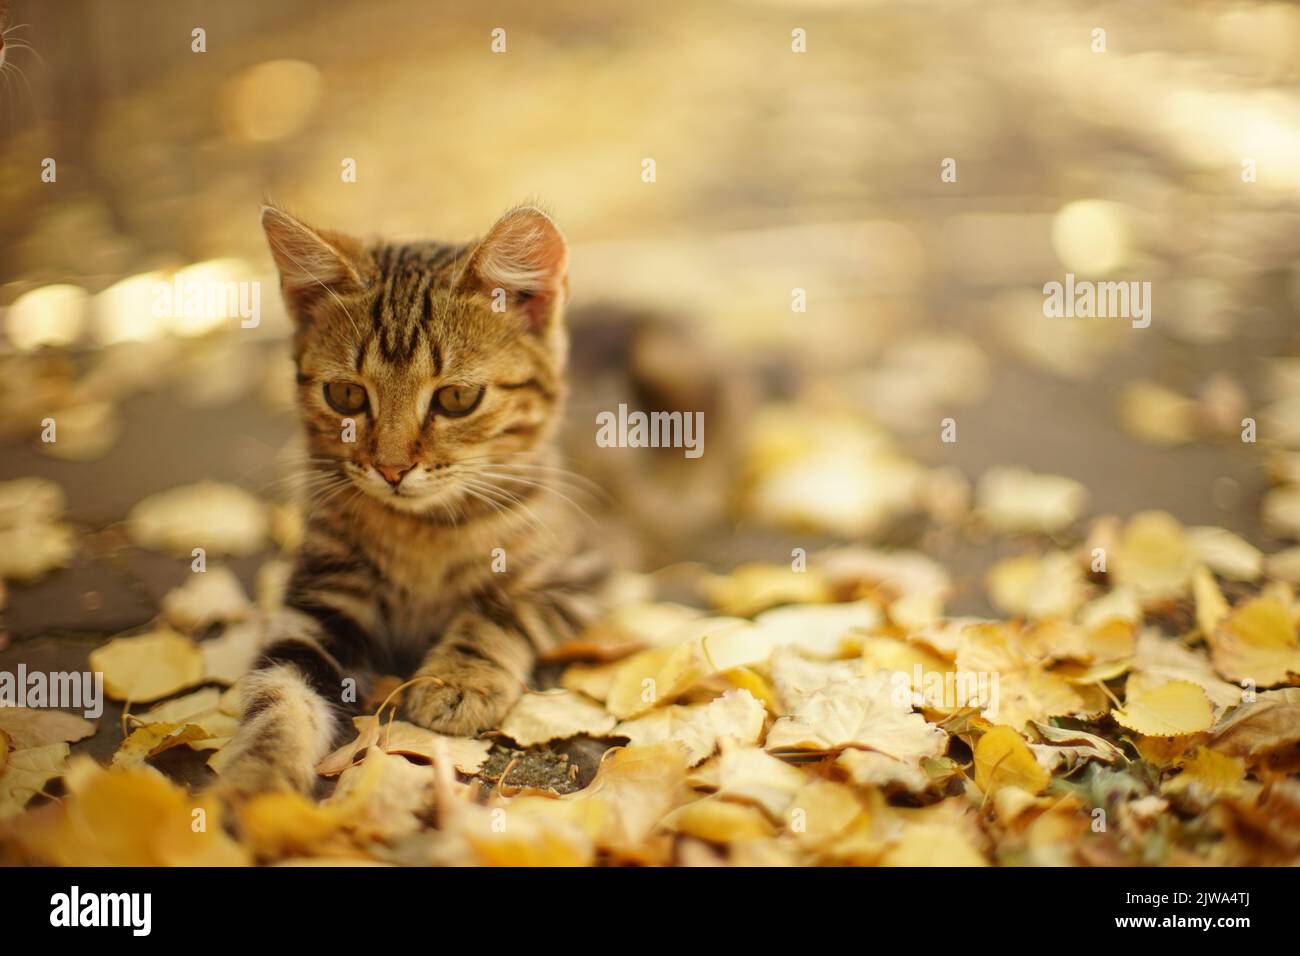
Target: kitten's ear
column 525, row 255
column 312, row 262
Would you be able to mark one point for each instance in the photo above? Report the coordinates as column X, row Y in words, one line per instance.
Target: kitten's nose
column 393, row 473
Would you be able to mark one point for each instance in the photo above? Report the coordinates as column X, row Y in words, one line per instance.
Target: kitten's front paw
column 467, row 697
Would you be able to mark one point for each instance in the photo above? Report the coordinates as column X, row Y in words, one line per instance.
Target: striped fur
column 406, row 577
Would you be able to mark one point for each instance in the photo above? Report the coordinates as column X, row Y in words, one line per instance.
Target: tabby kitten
column 430, row 386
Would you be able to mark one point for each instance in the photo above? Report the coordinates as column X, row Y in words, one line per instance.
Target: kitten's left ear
column 525, row 255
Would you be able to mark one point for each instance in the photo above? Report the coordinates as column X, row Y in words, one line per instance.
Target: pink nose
column 393, row 474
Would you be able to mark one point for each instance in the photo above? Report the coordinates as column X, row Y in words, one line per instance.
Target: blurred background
column 1164, row 149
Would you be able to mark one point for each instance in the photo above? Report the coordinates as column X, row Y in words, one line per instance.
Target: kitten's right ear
column 312, row 262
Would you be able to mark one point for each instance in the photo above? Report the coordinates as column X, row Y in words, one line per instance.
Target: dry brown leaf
column 1266, row 729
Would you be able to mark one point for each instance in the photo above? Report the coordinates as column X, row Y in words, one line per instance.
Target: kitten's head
column 427, row 372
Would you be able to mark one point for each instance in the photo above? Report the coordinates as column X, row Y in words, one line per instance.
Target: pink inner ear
column 526, row 255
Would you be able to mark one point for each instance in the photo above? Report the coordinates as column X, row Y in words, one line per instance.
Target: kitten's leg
column 482, row 663
column 290, row 708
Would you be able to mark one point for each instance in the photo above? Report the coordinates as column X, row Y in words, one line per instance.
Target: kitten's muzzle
column 393, row 474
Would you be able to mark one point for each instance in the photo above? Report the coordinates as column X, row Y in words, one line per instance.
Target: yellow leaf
column 1032, row 586
column 1170, row 710
column 719, row 821
column 735, row 716
column 821, row 811
column 1258, row 643
column 1024, row 690
column 1211, row 606
column 932, row 844
column 656, row 676
column 866, row 712
column 1002, row 759
column 211, row 597
column 751, row 588
column 26, row 772
column 144, row 742
column 1154, row 556
column 540, row 717
column 128, row 817
column 149, row 667
column 222, row 519
column 1212, row 773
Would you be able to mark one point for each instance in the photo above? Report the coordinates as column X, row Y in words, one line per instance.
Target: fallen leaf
column 1264, row 730
column 29, row 727
column 867, row 713
column 1024, row 691
column 221, row 519
column 751, row 588
column 751, row 775
column 26, row 772
column 399, row 737
column 1032, row 586
column 1169, row 710
column 1014, row 500
column 1160, row 660
column 719, row 821
column 554, row 715
column 1226, row 554
column 214, row 596
column 1257, row 642
column 148, row 667
column 231, row 655
column 736, row 716
column 1154, row 556
column 1209, row 773
column 1003, row 759
column 151, row 739
column 30, row 550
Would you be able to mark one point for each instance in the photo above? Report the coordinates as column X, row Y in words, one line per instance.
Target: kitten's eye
column 456, row 401
column 346, row 398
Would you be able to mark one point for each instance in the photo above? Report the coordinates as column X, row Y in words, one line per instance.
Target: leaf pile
column 830, row 715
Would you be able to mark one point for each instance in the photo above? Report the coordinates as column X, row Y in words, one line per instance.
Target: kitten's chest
column 424, row 577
